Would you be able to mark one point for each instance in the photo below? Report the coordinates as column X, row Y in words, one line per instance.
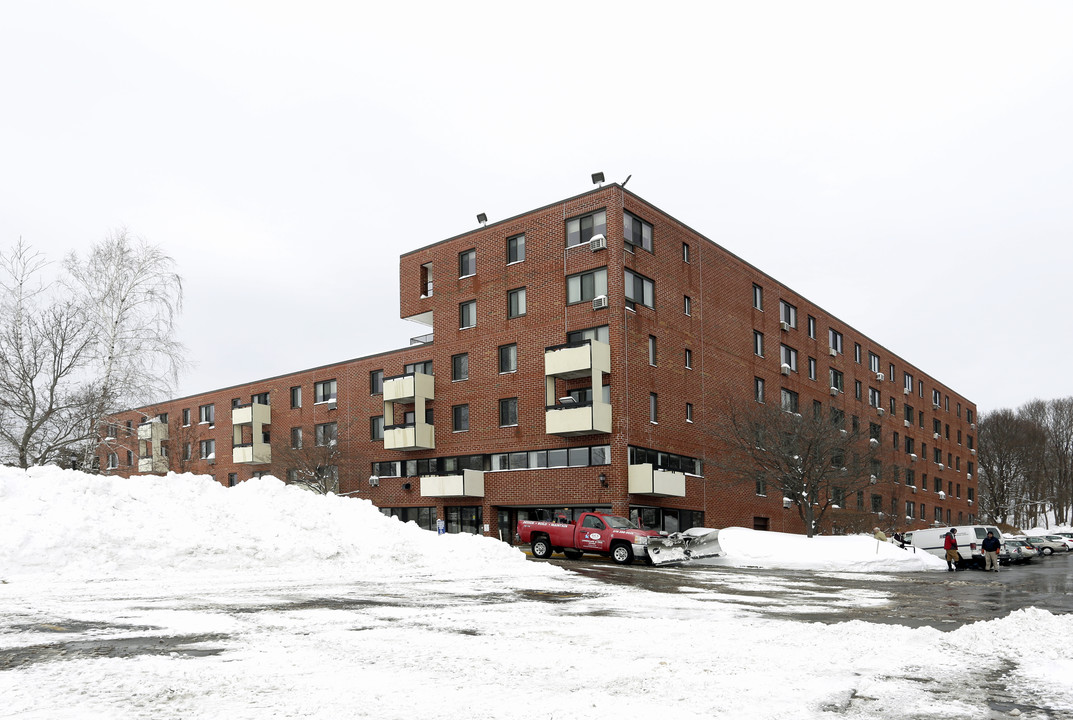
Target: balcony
column 469, row 484
column 645, row 480
column 151, row 437
column 577, row 419
column 411, row 436
column 577, row 360
column 250, row 421
column 408, row 388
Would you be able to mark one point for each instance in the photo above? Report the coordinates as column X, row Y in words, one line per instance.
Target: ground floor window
column 464, row 519
column 761, row 523
column 424, row 517
column 668, row 519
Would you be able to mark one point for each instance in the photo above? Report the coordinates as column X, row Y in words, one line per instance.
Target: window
column 188, row 450
column 376, row 427
column 758, row 388
column 113, row 461
column 508, row 412
column 460, row 418
column 837, row 380
column 857, row 389
column 516, row 303
column 208, row 449
column 425, row 368
column 508, row 358
column 758, row 343
column 639, row 289
column 186, row 417
column 758, row 297
column 834, row 338
column 789, row 400
column 236, row 402
column 324, row 391
column 789, row 357
column 653, row 408
column 689, row 359
column 874, row 397
column 515, row 249
column 467, row 314
column 296, row 396
column 581, row 229
column 326, row 434
column 652, row 350
column 812, row 327
column 600, row 334
column 636, row 233
column 207, row 414
column 460, row 367
column 935, row 398
column 685, row 252
column 585, row 286
column 787, row 313
column 467, row 263
column 812, row 368
column 260, row 399
column 761, row 487
column 890, row 374
column 873, row 362
column 689, row 412
column 376, row 382
column 857, row 353
column 687, row 305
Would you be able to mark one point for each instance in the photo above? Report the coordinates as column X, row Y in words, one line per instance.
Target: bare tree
column 812, row 459
column 311, row 465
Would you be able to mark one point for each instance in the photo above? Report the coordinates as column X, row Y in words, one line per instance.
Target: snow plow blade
column 684, row 546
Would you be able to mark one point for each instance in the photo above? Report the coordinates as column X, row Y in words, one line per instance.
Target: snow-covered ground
column 178, row 598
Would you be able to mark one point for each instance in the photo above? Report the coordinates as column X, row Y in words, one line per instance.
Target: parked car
column 1045, row 546
column 1058, row 537
column 1018, row 550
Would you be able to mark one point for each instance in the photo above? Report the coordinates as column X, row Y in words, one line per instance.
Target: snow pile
column 852, row 553
column 67, row 524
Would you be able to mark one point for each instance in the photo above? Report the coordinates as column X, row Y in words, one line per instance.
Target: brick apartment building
column 576, row 357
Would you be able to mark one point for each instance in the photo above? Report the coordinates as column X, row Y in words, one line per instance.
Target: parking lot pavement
column 940, row 599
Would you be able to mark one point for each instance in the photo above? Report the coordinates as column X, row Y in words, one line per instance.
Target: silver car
column 1046, row 546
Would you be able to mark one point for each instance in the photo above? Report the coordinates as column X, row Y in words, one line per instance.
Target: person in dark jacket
column 951, row 547
column 990, row 546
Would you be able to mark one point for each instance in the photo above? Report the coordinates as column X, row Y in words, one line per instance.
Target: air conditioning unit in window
column 935, row 436
column 940, row 466
column 785, row 326
column 908, row 424
column 599, row 302
column 972, row 426
column 970, row 502
column 913, row 488
column 374, row 481
column 598, row 242
column 834, row 391
column 879, row 377
column 968, row 476
column 912, row 457
column 785, row 369
column 906, row 391
column 935, row 406
column 972, row 452
column 832, row 352
column 881, row 412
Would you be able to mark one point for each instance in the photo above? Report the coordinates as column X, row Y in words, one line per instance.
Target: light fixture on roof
column 482, row 219
column 597, row 178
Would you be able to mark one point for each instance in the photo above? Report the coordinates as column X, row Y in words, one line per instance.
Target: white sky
column 906, row 166
column 322, row 608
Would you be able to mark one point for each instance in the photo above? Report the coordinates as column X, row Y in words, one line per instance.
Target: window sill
column 463, row 277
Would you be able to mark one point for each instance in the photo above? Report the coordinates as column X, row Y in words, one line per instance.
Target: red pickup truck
column 616, row 537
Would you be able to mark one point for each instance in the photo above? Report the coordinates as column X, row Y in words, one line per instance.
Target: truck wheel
column 541, row 547
column 622, row 554
column 572, row 554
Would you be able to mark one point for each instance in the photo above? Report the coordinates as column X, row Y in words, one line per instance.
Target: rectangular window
column 874, row 397
column 113, row 461
column 789, row 401
column 758, row 388
column 460, row 418
column 508, row 412
column 326, row 434
column 890, row 374
column 515, row 249
column 585, row 286
column 188, row 450
column 834, row 339
column 639, row 289
column 425, row 368
column 581, row 229
column 761, row 487
column 685, row 252
column 324, row 391
column 460, row 366
column 758, row 343
column 811, row 327
column 787, row 313
column 516, row 303
column 208, row 449
column 837, row 380
column 636, row 232
column 789, row 358
column 689, row 412
column 508, row 358
column 599, row 334
column 687, row 305
column 857, row 389
column 812, row 368
column 689, row 359
column 260, row 399
column 207, row 414
column 186, row 417
column 935, row 398
column 296, row 438
column 236, row 402
column 857, row 353
column 758, row 297
column 873, row 362
column 467, row 263
column 652, row 350
column 467, row 314
column 653, row 408
column 296, row 396
column 376, row 382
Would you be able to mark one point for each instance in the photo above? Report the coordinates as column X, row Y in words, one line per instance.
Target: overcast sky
column 907, row 166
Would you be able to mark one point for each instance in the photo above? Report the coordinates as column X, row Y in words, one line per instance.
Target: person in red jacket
column 951, row 547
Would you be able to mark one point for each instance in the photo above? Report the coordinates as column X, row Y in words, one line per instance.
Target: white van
column 969, row 538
